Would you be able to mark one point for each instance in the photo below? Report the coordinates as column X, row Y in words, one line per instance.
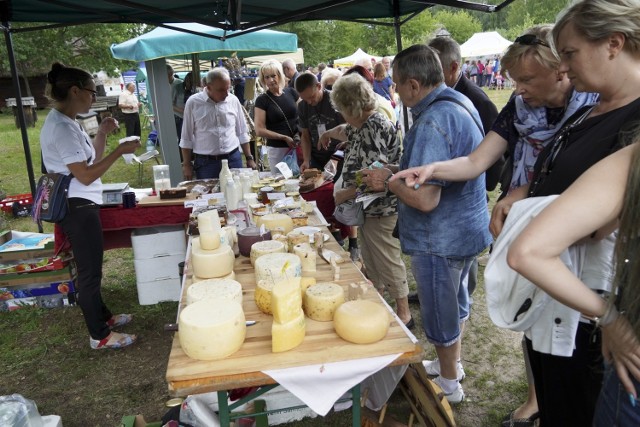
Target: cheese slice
column 215, row 289
column 209, row 240
column 286, row 300
column 211, row 264
column 209, row 221
column 262, row 296
column 211, row 330
column 361, row 321
column 286, row 336
column 322, row 300
column 276, row 267
column 265, row 247
column 271, row 221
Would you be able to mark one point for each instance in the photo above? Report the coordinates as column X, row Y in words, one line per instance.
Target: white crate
column 157, row 291
column 152, row 242
column 159, row 268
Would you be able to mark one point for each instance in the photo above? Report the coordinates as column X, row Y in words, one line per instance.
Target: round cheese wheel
column 277, row 266
column 215, row 289
column 288, row 335
column 265, row 247
column 211, row 264
column 321, row 301
column 361, row 321
column 211, row 330
column 262, row 296
column 271, row 221
column 196, row 279
column 305, row 282
column 295, row 237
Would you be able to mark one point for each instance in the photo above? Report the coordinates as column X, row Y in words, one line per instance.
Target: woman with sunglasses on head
column 67, row 149
column 276, row 113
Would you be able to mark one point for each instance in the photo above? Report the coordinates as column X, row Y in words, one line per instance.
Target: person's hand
column 341, row 196
column 108, row 125
column 289, row 141
column 415, row 176
column 252, row 164
column 129, row 147
column 621, row 347
column 499, row 216
column 187, row 171
column 323, row 141
column 375, row 178
column 304, row 166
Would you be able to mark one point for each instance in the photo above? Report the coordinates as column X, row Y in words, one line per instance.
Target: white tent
column 351, row 60
column 483, row 44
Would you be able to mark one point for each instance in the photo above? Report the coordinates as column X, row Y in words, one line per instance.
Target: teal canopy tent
column 168, row 43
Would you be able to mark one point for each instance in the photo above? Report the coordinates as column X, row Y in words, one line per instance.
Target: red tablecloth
column 323, row 196
column 117, row 222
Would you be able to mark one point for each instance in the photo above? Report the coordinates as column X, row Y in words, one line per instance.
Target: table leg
column 223, row 408
column 355, row 406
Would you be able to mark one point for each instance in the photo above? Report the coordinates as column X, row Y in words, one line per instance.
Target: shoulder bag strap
column 283, row 114
column 455, row 101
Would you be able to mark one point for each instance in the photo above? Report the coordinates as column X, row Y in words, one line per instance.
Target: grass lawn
column 46, row 356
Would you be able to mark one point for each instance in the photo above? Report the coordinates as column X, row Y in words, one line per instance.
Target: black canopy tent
column 243, row 15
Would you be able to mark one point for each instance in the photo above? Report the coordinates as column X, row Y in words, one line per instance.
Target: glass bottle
column 225, row 175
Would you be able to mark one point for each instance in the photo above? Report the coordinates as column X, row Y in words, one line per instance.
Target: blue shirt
column 459, row 226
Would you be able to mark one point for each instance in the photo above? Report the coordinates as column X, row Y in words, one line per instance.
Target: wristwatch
column 386, row 183
column 248, row 157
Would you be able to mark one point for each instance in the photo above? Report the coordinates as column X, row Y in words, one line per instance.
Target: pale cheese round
column 262, row 296
column 271, row 221
column 361, row 321
column 289, row 335
column 209, row 221
column 321, row 301
column 209, row 240
column 211, row 264
column 265, row 247
column 196, row 279
column 215, row 289
column 211, row 330
column 277, row 266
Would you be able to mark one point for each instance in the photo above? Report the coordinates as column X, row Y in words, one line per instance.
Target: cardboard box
column 48, row 295
column 155, row 242
column 44, row 277
column 156, row 291
column 19, row 245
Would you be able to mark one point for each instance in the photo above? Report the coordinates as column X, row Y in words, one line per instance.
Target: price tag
column 276, row 196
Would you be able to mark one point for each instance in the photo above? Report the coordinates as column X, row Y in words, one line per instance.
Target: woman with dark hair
column 67, row 149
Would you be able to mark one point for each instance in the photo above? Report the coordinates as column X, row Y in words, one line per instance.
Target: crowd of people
column 562, row 148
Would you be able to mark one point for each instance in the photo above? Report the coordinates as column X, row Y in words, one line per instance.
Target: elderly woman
column 329, row 77
column 372, row 138
column 276, row 113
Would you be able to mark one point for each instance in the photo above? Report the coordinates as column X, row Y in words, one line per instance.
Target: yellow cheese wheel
column 214, row 289
column 211, row 330
column 307, row 257
column 196, row 279
column 211, row 264
column 286, row 336
column 277, row 266
column 361, row 321
column 265, row 247
column 286, row 300
column 271, row 221
column 262, row 296
column 209, row 240
column 321, row 301
column 305, row 282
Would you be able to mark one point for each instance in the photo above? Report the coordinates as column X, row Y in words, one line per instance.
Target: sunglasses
column 530, row 40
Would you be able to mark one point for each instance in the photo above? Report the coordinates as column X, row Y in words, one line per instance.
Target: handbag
column 51, row 203
column 349, row 213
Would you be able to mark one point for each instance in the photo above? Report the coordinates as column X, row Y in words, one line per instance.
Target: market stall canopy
column 168, row 43
column 256, row 61
column 484, row 44
column 350, row 61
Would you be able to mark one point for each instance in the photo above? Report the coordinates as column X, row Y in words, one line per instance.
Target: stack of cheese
column 271, row 269
column 289, row 327
column 211, row 258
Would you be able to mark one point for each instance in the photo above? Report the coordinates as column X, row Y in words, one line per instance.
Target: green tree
column 460, row 24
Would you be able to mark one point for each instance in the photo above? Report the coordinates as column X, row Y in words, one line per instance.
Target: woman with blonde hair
column 276, row 113
column 382, row 83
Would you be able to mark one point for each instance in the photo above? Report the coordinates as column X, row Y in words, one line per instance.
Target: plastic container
column 225, row 175
column 150, row 145
column 161, row 178
column 17, row 411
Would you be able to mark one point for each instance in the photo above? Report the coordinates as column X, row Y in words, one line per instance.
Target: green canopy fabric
column 166, row 43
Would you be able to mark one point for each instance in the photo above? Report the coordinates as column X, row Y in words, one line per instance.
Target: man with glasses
column 290, row 71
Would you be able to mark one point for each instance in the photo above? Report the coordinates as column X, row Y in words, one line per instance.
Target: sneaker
column 112, row 341
column 456, row 396
column 433, row 368
column 355, row 254
column 119, row 320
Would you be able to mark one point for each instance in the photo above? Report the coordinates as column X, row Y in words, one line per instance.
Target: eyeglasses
column 530, row 40
column 94, row 93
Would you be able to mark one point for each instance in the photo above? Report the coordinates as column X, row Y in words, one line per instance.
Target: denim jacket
column 459, row 226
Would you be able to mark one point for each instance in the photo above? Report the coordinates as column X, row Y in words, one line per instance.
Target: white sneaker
column 456, row 396
column 433, row 368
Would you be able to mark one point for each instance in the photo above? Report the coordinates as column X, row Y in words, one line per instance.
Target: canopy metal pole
column 21, row 118
column 396, row 27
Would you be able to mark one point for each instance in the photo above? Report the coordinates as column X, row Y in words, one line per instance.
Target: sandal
column 509, row 421
column 112, row 341
column 119, row 320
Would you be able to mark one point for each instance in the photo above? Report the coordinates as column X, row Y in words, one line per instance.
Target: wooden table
column 244, row 368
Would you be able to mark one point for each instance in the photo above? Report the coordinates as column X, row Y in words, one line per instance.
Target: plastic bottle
column 231, row 195
column 245, row 180
column 150, row 145
column 225, row 175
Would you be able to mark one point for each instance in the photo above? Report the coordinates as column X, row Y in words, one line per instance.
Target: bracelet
column 609, row 316
column 386, row 183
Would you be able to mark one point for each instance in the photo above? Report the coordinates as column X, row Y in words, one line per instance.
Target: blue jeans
column 208, row 168
column 443, row 293
column 614, row 406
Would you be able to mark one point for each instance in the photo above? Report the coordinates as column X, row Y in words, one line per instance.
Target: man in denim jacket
column 442, row 225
